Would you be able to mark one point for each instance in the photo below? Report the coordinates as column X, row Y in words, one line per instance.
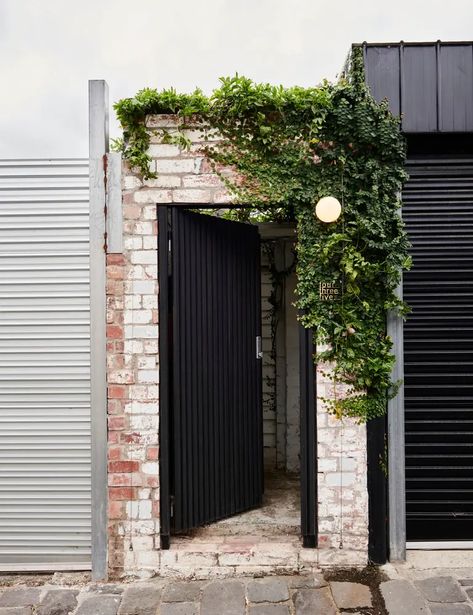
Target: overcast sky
column 50, row 48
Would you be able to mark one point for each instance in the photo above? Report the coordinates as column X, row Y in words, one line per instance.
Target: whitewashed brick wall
column 342, row 482
column 132, row 357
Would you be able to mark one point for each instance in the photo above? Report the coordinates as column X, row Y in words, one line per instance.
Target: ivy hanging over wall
column 290, row 147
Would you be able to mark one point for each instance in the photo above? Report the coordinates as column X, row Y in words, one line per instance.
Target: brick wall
column 342, row 482
column 132, row 358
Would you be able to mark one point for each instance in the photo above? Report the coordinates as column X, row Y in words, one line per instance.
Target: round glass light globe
column 328, row 209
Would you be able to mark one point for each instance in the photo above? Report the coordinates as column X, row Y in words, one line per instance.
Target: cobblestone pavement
column 436, row 591
column 444, row 594
column 286, row 595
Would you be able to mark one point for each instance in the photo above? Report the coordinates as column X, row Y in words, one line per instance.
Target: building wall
column 269, row 368
column 281, row 387
column 341, row 481
column 133, row 391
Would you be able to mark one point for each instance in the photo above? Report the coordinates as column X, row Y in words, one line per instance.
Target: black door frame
column 308, row 426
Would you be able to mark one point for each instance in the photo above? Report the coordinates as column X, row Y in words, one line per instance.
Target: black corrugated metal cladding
column 429, row 84
column 438, row 346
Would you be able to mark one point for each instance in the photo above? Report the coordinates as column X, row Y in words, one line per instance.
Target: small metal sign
column 329, row 291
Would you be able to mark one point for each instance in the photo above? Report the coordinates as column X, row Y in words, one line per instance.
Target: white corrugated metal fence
column 45, row 483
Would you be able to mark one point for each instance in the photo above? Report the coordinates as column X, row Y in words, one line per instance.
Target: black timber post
column 308, row 439
column 164, row 376
column 377, row 490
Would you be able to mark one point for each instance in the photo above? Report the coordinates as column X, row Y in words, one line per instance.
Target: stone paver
column 306, row 581
column 350, row 595
column 221, row 597
column 268, row 609
column 314, row 601
column 179, row 608
column 58, row 602
column 305, row 594
column 402, row 598
column 451, row 609
column 142, row 599
column 108, row 588
column 20, row 596
column 441, row 589
column 185, row 591
column 99, row 605
column 267, row 590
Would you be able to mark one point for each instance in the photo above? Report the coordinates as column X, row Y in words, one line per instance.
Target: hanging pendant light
column 328, row 209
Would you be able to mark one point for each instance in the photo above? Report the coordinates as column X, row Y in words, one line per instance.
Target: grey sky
column 50, row 48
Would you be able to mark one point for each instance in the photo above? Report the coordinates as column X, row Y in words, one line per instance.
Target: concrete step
column 197, row 558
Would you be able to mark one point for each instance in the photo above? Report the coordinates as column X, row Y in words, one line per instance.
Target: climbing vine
column 289, row 147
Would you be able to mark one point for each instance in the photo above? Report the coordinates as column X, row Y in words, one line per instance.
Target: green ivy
column 290, row 147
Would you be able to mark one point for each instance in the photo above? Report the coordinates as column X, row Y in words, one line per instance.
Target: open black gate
column 211, row 430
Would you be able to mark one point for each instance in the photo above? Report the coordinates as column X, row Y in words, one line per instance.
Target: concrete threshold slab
column 426, row 559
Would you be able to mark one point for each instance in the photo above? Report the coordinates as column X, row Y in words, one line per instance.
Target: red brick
column 152, row 481
column 116, row 423
column 130, row 438
column 116, row 509
column 120, row 480
column 152, row 453
column 115, row 406
column 121, row 493
column 114, row 453
column 123, row 466
column 117, row 391
column 115, row 259
column 114, row 331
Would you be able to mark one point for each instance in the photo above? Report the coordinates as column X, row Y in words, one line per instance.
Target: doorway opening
column 236, row 433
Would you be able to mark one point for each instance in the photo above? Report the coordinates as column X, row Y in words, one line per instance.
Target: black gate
column 212, row 432
column 438, row 342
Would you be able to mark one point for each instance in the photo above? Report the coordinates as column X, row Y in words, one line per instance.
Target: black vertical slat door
column 216, row 410
column 438, row 349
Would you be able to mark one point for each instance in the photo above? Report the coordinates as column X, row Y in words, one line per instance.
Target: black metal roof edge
column 412, row 44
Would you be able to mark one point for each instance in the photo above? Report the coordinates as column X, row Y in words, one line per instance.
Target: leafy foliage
column 290, row 147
